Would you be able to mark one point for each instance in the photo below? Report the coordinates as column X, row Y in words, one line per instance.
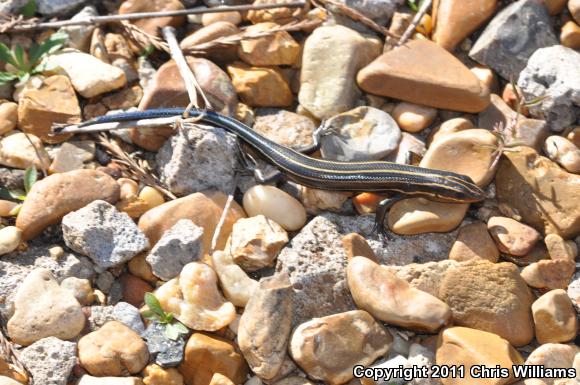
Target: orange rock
column 277, row 15
column 277, row 49
column 260, row 86
column 570, row 35
column 153, row 25
column 355, row 245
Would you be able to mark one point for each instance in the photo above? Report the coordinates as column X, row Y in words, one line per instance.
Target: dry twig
column 425, row 5
column 7, row 350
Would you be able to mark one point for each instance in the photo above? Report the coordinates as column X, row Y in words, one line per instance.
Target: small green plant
column 25, row 64
column 173, row 328
column 29, row 9
column 414, row 4
column 145, row 52
column 30, row 178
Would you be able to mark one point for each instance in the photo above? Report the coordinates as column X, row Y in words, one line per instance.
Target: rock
column 316, row 201
column 549, row 274
column 540, row 192
column 113, row 350
column 558, row 248
column 570, row 35
column 491, row 297
column 57, row 7
column 203, row 209
column 10, row 239
column 71, row 156
column 279, row 48
column 207, row 354
column 564, row 152
column 486, row 76
column 284, row 127
column 129, row 315
column 265, row 326
column 89, row 75
column 408, row 146
column 152, row 26
column 326, row 91
column 178, row 246
column 12, row 6
column 156, row 375
column 99, row 231
column 511, row 236
column 554, row 317
column 392, row 300
column 513, row 35
column 43, row 309
column 423, row 73
column 80, row 288
column 471, row 348
column 377, row 10
column 134, row 289
column 419, row 215
column 8, row 381
column 90, row 380
column 21, row 150
column 474, row 242
column 212, row 32
column 424, row 276
column 365, row 133
column 328, row 348
column 550, row 74
column 79, row 36
column 167, row 352
column 8, row 116
column 277, row 15
column 151, row 196
column 260, row 86
column 233, row 17
column 574, row 8
column 553, row 356
column 50, row 361
column 275, row 205
column 456, row 20
column 54, row 102
column 452, row 126
column 194, row 299
column 197, row 159
column 356, row 245
column 237, row 286
column 124, row 99
column 255, row 242
column 413, row 117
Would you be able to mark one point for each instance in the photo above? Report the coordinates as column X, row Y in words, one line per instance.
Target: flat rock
column 129, row 315
column 50, row 361
column 153, row 25
column 102, row 233
column 165, row 351
column 511, row 236
column 21, row 150
column 423, row 73
column 474, row 242
column 279, row 48
column 513, row 35
column 284, row 127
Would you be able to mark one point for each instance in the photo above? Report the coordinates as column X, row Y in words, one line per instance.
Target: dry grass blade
column 7, row 350
column 142, row 38
column 425, row 5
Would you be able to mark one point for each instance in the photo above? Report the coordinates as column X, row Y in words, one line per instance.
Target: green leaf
column 171, row 332
column 20, row 58
column 7, row 77
column 413, row 5
column 147, row 51
column 181, row 327
column 148, row 314
column 50, row 45
column 153, row 303
column 29, row 9
column 30, row 178
column 6, row 55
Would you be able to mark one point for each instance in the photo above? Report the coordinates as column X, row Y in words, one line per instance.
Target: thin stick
column 225, row 211
column 425, row 5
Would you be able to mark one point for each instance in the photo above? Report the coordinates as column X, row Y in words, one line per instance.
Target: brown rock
column 491, row 297
column 574, row 8
column 124, row 99
column 260, row 86
column 156, row 375
column 456, row 19
column 423, row 73
column 54, row 102
column 540, row 192
column 555, row 6
column 449, row 127
column 549, row 274
column 113, row 350
column 570, row 35
column 220, row 379
column 21, row 150
column 139, row 267
column 559, row 248
column 276, row 49
column 233, row 17
column 277, row 15
column 153, row 25
column 212, row 32
column 511, row 236
column 134, row 289
column 356, row 246
column 284, row 127
column 419, row 215
column 474, row 242
column 56, row 195
column 207, row 354
column 554, row 317
column 8, row 116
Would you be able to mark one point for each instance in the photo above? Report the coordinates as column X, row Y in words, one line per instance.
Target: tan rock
column 194, row 299
column 553, row 356
column 220, row 379
column 549, row 274
column 356, row 246
column 392, row 300
column 8, row 116
column 412, row 117
column 570, row 35
column 156, row 375
column 328, row 348
column 203, row 209
column 113, row 350
column 574, row 8
column 42, row 309
column 419, row 215
column 457, row 19
column 124, row 99
column 71, row 156
column 554, row 317
column 276, row 49
column 153, row 25
column 212, row 32
column 54, row 102
column 21, row 150
column 491, row 297
column 139, row 267
column 449, row 127
column 486, row 76
column 237, row 286
column 564, row 152
column 151, row 196
column 511, row 236
column 255, row 242
column 233, row 17
column 471, row 347
column 316, row 201
column 207, row 354
column 90, row 380
column 80, row 288
column 474, row 242
column 423, row 73
column 276, row 205
column 260, row 86
column 7, row 207
column 559, row 248
column 277, row 15
column 540, row 192
column 56, row 195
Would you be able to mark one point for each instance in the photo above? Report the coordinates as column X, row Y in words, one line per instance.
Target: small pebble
column 564, row 152
column 10, row 238
column 511, row 236
column 128, row 188
column 151, row 196
column 413, row 117
column 80, row 288
column 233, row 17
column 559, row 248
column 276, row 205
column 7, row 208
column 570, row 35
column 554, row 317
column 8, row 116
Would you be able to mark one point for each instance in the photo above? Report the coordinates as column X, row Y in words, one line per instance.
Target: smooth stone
column 152, row 26
column 450, row 126
column 413, row 117
column 574, row 8
column 21, row 150
column 316, row 201
column 206, row 355
column 279, row 48
column 570, row 35
column 512, row 36
column 474, row 242
column 165, row 351
column 203, row 209
column 10, row 239
column 554, row 356
column 233, row 17
column 457, row 19
column 134, row 289
column 58, row 7
column 260, row 86
column 284, row 127
column 194, row 299
column 90, row 380
column 209, row 33
column 419, row 215
column 80, row 288
column 8, row 116
column 265, row 326
column 107, row 236
column 392, row 300
column 43, row 309
column 237, row 286
column 7, row 207
column 79, row 36
column 255, row 242
column 329, row 90
column 491, row 297
column 486, row 76
column 555, row 6
column 328, row 348
column 124, row 99
column 355, row 245
column 276, row 205
column 129, row 316
column 549, row 274
column 554, row 317
column 551, row 73
column 50, row 361
column 54, row 102
column 470, row 348
column 151, row 196
column 277, row 15
column 559, row 248
column 156, row 375
column 72, row 156
column 563, row 152
column 540, row 192
column 364, row 133
column 423, row 73
column 511, row 236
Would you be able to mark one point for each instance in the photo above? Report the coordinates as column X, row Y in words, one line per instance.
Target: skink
column 370, row 176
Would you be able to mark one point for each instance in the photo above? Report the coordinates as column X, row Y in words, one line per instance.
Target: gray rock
column 11, row 6
column 105, row 281
column 146, row 72
column 284, row 127
column 129, row 315
column 553, row 73
column 380, row 11
column 11, row 179
column 50, row 361
column 79, row 36
column 196, row 159
column 178, row 246
column 98, row 316
column 58, row 7
column 167, row 352
column 513, row 36
column 104, row 234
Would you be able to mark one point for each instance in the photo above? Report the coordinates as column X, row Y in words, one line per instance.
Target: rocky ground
column 298, row 290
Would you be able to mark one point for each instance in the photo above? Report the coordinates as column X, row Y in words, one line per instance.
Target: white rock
column 50, row 360
column 564, row 152
column 276, row 205
column 90, row 380
column 10, row 238
column 235, row 283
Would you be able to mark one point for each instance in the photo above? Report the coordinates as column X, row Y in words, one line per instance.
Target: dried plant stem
column 40, row 160
column 425, row 5
column 7, row 351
